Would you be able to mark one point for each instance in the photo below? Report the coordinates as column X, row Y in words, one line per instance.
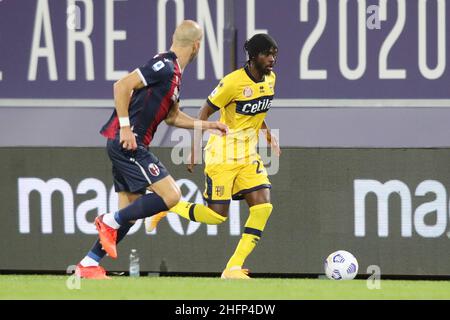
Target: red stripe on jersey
column 112, row 128
column 163, row 109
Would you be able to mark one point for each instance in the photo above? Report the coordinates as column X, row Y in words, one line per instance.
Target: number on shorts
column 258, row 165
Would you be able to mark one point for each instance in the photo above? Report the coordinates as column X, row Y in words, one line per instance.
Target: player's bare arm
column 122, row 93
column 179, row 119
column 271, row 139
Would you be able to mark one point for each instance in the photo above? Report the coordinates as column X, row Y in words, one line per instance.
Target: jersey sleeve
column 222, row 95
column 154, row 71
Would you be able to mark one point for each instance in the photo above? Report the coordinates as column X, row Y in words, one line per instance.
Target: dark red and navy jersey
column 150, row 104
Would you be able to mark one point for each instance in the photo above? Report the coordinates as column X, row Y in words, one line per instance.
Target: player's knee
column 220, row 209
column 223, row 214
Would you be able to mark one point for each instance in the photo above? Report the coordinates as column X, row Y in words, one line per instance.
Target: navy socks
column 146, row 206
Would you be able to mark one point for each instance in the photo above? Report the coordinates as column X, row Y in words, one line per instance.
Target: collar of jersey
column 172, row 55
column 247, row 71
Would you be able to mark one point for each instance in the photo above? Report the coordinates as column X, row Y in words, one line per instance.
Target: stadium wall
column 389, row 207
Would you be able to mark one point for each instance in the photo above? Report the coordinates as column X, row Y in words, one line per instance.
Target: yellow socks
column 197, row 212
column 254, row 227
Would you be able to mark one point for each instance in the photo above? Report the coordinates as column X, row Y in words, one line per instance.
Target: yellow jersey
column 243, row 103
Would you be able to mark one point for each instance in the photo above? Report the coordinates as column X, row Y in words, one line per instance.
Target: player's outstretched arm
column 200, row 124
column 180, row 119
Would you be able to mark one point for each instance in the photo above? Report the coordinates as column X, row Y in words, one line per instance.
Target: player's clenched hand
column 127, row 138
column 217, row 127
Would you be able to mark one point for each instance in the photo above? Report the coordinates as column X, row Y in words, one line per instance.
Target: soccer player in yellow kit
column 234, row 169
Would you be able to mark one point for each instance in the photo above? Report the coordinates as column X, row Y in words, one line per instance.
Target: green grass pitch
column 189, row 288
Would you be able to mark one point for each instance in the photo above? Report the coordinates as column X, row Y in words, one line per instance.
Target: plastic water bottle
column 134, row 264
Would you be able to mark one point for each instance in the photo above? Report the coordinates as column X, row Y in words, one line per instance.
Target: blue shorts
column 134, row 170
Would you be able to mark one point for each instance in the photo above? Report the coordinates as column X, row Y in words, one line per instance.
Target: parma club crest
column 248, row 92
column 220, row 190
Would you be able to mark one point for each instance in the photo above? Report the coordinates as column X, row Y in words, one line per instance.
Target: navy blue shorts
column 134, row 170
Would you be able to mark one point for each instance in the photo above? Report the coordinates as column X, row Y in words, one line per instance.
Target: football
column 341, row 265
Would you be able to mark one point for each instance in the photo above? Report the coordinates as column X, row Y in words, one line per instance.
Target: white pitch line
column 196, row 103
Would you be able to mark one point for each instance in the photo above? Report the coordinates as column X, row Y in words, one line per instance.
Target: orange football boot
column 97, row 273
column 108, row 237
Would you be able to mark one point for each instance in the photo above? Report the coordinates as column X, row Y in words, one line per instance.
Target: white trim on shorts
column 142, row 170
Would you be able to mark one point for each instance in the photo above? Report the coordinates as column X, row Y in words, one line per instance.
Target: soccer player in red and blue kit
column 143, row 99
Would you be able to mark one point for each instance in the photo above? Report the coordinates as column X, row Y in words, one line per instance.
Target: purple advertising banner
column 346, row 49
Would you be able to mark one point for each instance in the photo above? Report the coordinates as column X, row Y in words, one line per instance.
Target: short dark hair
column 259, row 43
